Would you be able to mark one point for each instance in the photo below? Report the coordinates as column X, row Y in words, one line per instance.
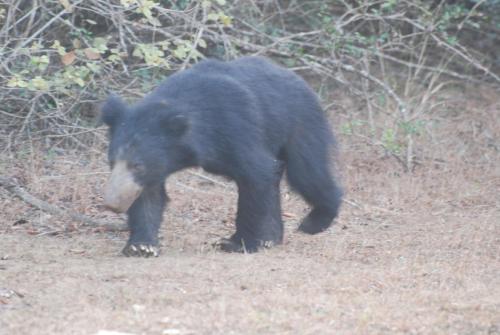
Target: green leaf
column 213, row 16
column 100, row 44
column 58, row 47
column 79, row 82
column 94, row 67
column 180, row 52
column 202, row 43
column 17, row 81
column 145, row 8
column 225, row 20
column 151, row 54
column 128, row 3
column 164, row 45
column 40, row 62
column 39, row 83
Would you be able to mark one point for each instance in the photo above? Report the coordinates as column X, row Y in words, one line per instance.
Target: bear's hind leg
column 309, row 174
column 144, row 220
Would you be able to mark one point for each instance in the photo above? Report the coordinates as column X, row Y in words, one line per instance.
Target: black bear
column 246, row 119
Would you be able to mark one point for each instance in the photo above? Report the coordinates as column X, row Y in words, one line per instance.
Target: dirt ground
column 410, row 253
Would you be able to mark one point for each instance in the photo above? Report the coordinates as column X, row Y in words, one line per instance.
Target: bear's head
column 147, row 143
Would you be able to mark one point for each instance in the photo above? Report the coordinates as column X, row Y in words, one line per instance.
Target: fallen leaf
column 68, row 58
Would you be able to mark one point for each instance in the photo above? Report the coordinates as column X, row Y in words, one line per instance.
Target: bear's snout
column 121, row 189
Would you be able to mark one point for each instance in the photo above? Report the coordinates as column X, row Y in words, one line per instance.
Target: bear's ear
column 112, row 110
column 176, row 124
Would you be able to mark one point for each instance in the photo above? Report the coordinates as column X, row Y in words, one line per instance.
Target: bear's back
column 257, row 74
column 250, row 95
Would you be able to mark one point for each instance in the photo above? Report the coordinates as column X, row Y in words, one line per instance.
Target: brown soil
column 410, row 254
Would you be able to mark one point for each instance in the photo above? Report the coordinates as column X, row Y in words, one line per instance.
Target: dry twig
column 11, row 186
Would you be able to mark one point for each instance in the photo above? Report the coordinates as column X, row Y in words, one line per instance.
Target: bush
column 59, row 58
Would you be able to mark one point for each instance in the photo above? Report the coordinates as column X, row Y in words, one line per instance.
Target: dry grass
column 411, row 253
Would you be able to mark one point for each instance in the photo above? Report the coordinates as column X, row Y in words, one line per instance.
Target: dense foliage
column 60, row 57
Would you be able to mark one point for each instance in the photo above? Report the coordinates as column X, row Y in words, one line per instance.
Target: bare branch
column 14, row 188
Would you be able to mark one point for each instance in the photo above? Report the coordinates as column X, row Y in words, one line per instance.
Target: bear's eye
column 137, row 167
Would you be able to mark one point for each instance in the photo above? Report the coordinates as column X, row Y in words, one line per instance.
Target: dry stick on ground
column 15, row 189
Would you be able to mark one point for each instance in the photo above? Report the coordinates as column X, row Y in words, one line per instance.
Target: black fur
column 248, row 120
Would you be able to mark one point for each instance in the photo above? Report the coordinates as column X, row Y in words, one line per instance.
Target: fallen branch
column 14, row 188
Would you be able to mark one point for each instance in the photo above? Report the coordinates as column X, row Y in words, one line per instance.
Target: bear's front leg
column 258, row 220
column 144, row 220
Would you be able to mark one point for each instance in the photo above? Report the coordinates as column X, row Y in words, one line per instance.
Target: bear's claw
column 141, row 250
column 229, row 245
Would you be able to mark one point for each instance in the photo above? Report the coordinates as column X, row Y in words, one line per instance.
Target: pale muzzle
column 121, row 190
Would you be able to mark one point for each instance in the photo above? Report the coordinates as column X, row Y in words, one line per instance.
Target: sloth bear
column 248, row 120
